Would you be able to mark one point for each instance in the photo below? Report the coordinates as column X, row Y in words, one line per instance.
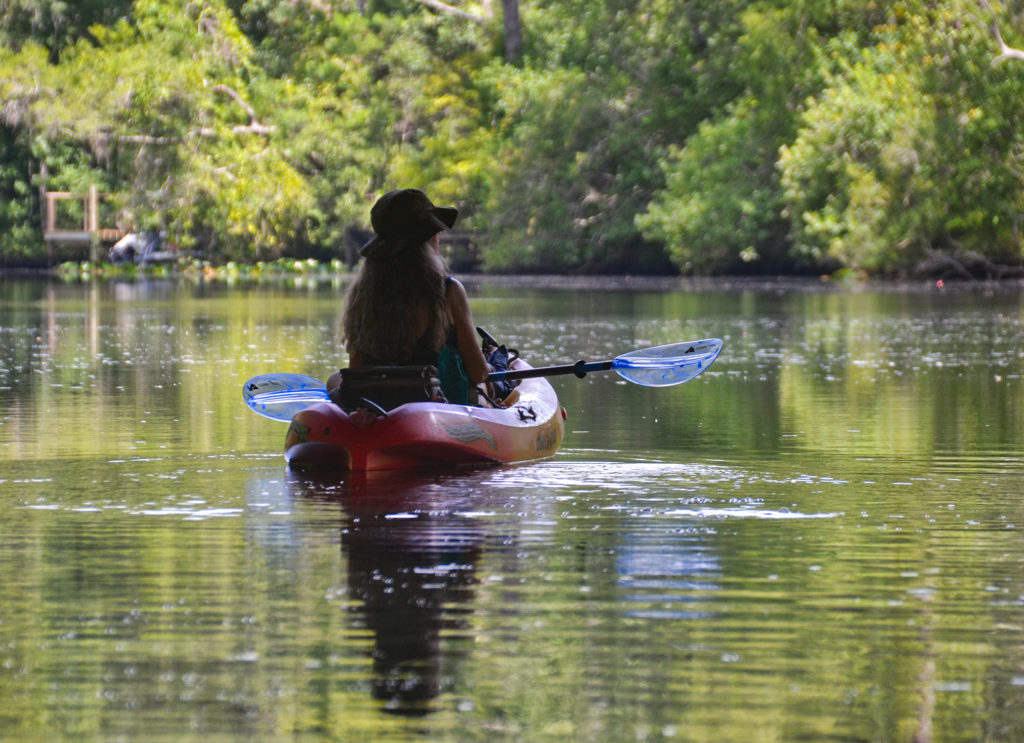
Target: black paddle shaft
column 580, row 369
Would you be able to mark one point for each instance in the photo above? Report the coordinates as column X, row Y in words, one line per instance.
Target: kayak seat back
column 387, row 386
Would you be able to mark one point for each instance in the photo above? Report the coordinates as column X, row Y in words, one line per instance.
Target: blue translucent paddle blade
column 663, row 366
column 280, row 396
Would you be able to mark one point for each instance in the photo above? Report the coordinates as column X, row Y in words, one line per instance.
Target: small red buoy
column 565, row 416
column 939, row 283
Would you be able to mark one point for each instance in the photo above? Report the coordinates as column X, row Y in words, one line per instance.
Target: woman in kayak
column 402, row 307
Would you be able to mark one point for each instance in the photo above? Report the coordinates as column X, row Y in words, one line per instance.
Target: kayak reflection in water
column 409, row 575
column 402, row 308
column 412, row 559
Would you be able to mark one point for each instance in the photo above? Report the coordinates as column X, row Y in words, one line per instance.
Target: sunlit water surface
column 820, row 539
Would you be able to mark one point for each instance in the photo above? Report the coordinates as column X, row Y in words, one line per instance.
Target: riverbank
column 337, row 272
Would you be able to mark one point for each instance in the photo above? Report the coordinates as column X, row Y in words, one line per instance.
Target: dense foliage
column 613, row 136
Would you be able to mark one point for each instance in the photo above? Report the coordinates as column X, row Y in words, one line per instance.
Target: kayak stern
column 426, row 434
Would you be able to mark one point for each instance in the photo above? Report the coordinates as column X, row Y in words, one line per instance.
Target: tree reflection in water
column 412, row 548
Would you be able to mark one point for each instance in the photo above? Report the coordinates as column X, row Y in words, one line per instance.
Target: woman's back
column 401, row 308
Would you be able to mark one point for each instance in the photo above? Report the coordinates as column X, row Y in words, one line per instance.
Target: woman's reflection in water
column 412, row 551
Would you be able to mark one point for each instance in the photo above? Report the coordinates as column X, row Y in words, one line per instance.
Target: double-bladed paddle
column 280, row 396
column 660, row 366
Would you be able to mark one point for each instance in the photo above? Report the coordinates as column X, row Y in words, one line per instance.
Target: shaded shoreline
column 774, row 284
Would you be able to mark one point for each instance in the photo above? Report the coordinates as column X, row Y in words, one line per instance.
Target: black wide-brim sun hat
column 403, row 218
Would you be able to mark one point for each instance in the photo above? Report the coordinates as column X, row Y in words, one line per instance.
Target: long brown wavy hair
column 394, row 302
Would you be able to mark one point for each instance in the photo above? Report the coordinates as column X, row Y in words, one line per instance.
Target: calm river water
column 820, row 539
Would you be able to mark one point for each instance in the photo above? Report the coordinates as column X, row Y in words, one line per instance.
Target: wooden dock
column 90, row 234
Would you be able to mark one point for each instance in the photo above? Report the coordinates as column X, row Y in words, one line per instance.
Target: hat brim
column 447, row 215
column 439, row 218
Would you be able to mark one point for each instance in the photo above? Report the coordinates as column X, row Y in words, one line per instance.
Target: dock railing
column 91, row 233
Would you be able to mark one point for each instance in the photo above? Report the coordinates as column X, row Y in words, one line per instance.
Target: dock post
column 44, row 211
column 92, row 224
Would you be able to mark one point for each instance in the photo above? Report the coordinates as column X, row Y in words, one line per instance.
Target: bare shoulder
column 454, row 285
column 457, row 292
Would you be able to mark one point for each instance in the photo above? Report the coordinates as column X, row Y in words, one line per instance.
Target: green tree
column 723, row 207
column 976, row 172
column 56, row 24
column 616, row 136
column 389, row 101
column 171, row 100
column 911, row 147
column 18, row 222
column 604, row 89
column 853, row 179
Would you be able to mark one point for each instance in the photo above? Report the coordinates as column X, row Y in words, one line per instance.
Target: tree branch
column 451, row 10
column 1005, row 50
column 145, row 139
column 253, row 126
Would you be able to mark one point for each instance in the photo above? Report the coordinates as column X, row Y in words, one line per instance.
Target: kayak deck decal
column 467, row 433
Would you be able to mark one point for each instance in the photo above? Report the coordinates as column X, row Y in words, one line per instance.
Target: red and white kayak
column 429, row 434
